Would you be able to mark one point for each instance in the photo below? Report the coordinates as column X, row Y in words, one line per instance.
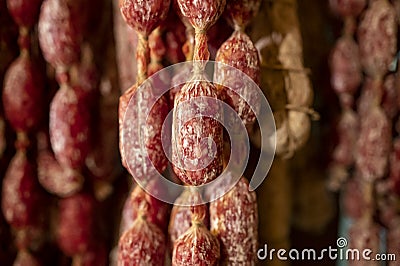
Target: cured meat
column 234, row 221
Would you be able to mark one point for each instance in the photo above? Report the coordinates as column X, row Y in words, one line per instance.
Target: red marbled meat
column 374, row 144
column 394, row 173
column 347, row 8
column 181, row 216
column 239, row 52
column 23, row 94
column 76, row 221
column 197, row 139
column 377, row 38
column 69, row 127
column 375, row 90
column 348, row 133
column 202, row 14
column 20, row 192
column 61, row 181
column 156, row 211
column 142, row 245
column 353, row 201
column 393, row 241
column 364, row 234
column 197, row 247
column 346, row 74
column 234, row 221
column 141, row 140
column 144, row 16
column 24, row 12
column 60, row 32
